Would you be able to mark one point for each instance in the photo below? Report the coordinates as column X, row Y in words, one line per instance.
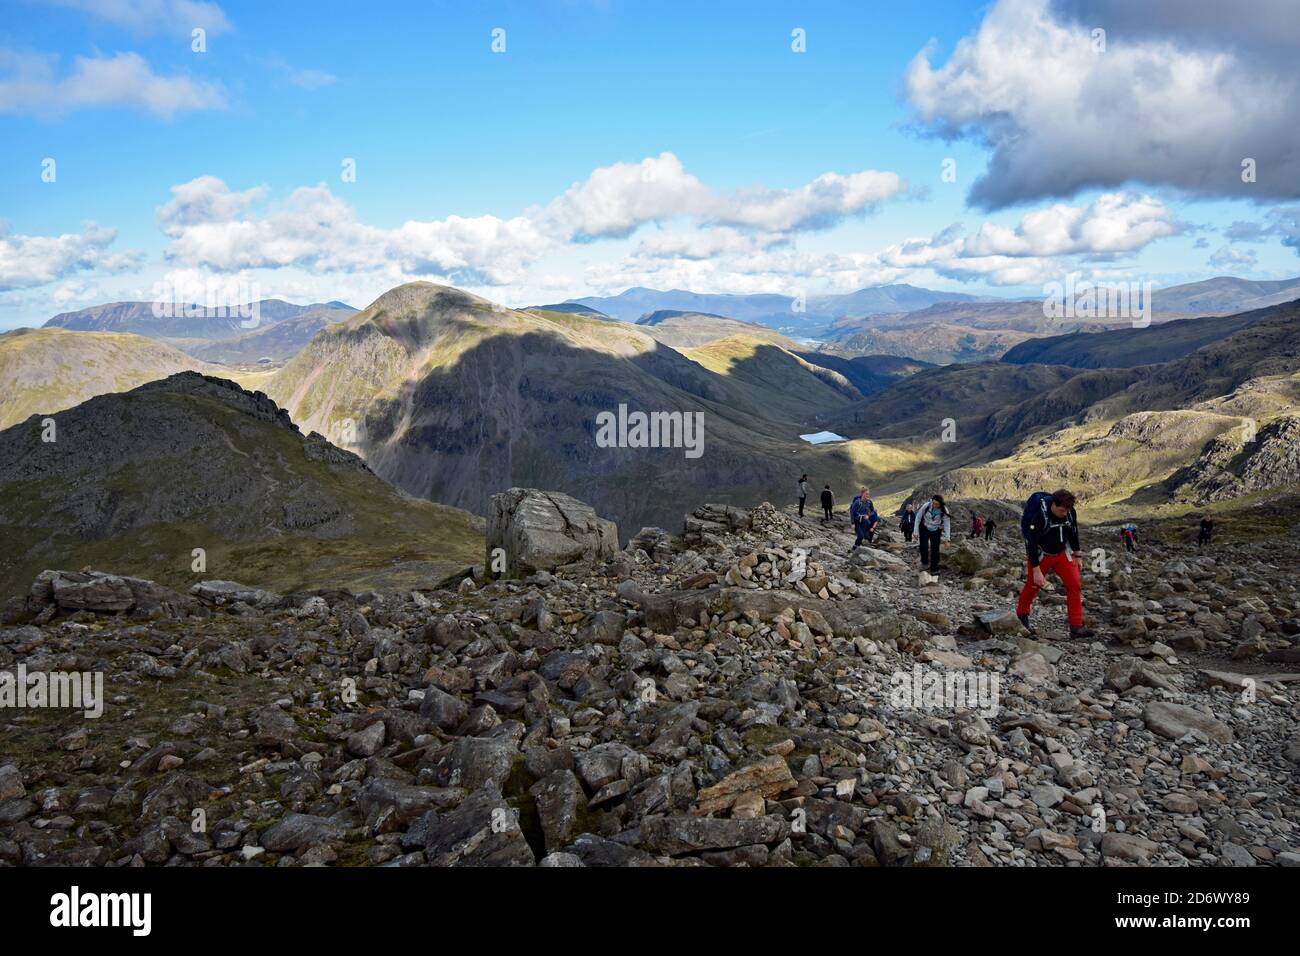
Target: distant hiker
column 932, row 526
column 1128, row 533
column 1207, row 529
column 976, row 526
column 1051, row 530
column 803, row 493
column 906, row 521
column 862, row 513
column 988, row 529
column 828, row 502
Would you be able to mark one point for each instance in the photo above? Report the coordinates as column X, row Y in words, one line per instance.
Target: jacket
column 920, row 521
column 1045, row 533
column 862, row 509
column 828, row 499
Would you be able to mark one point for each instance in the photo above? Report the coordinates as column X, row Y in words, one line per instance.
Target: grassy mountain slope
column 686, row 330
column 48, row 370
column 936, row 343
column 135, row 481
column 1126, row 348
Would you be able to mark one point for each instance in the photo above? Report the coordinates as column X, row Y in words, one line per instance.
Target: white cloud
column 28, row 261
column 31, row 84
column 614, row 200
column 822, row 203
column 705, row 243
column 211, row 226
column 1228, row 257
column 1061, row 117
column 1112, row 226
column 146, row 17
column 214, row 227
column 205, row 199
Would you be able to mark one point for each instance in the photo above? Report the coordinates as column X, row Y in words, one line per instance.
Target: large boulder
column 541, row 530
column 105, row 593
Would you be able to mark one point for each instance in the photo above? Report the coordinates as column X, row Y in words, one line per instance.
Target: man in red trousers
column 1051, row 530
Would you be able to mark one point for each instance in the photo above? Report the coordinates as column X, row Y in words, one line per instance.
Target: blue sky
column 714, row 136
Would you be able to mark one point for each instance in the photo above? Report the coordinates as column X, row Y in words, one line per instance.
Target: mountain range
column 451, row 398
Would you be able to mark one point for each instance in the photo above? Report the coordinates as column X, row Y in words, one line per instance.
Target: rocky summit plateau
column 739, row 691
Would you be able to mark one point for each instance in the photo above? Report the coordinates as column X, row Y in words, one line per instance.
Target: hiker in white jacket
column 932, row 526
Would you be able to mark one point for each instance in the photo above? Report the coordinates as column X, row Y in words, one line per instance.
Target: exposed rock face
column 542, row 530
column 1230, row 467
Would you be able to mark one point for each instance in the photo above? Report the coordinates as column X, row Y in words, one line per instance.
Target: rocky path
column 743, row 692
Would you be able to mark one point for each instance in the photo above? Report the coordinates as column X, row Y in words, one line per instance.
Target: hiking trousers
column 1068, row 572
column 930, row 547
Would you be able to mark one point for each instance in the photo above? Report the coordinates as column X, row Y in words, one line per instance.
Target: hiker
column 976, row 526
column 828, row 502
column 932, row 526
column 862, row 513
column 1051, row 530
column 906, row 521
column 989, row 525
column 1128, row 533
column 1207, row 529
column 803, row 493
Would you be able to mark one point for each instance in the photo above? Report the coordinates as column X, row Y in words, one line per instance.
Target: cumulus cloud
column 28, row 261
column 212, row 226
column 1157, row 108
column 146, row 17
column 1035, row 248
column 30, row 83
column 614, row 200
column 1114, row 225
column 827, row 200
column 202, row 200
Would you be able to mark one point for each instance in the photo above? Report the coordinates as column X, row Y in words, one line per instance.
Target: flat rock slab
column 769, row 777
column 676, row 835
column 1175, row 721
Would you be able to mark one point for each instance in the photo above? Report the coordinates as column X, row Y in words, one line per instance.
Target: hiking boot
column 1081, row 633
column 1024, row 620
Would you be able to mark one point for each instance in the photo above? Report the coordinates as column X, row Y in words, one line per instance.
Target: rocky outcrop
column 72, row 591
column 542, row 530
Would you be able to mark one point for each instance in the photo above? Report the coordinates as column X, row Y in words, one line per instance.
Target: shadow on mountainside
column 522, row 411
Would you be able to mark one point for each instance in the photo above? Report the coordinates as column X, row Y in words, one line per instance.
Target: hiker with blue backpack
column 1050, row 527
column 862, row 513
